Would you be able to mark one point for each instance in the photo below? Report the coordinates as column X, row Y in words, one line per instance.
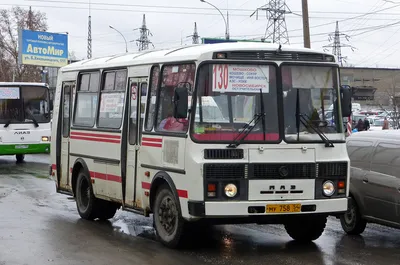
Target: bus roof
column 22, row 84
column 182, row 53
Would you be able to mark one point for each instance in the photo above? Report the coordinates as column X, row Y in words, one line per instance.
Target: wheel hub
column 168, row 214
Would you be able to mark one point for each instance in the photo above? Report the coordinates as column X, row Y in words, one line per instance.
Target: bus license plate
column 24, row 146
column 283, row 208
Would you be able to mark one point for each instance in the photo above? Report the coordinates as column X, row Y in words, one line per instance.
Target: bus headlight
column 328, row 188
column 230, row 190
column 45, row 138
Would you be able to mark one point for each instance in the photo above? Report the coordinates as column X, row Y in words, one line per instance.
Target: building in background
column 372, row 87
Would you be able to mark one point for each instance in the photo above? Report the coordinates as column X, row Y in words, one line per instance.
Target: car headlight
column 328, row 188
column 230, row 190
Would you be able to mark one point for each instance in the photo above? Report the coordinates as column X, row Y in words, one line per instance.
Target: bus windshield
column 24, row 104
column 309, row 91
column 228, row 97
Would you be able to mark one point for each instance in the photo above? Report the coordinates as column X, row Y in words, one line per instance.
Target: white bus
column 24, row 119
column 264, row 158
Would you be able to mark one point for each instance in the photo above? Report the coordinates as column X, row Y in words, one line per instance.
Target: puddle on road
column 134, row 230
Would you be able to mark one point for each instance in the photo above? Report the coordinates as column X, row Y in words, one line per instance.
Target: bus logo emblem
column 283, row 171
column 22, row 138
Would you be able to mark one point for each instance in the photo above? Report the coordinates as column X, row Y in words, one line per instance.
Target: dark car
column 374, row 180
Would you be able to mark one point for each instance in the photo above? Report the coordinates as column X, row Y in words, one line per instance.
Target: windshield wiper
column 307, row 124
column 33, row 119
column 8, row 123
column 246, row 130
column 300, row 118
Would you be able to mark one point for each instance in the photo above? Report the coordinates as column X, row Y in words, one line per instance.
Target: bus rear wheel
column 20, row 158
column 85, row 200
column 167, row 217
column 306, row 228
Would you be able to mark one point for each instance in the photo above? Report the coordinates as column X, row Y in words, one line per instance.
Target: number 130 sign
column 220, row 77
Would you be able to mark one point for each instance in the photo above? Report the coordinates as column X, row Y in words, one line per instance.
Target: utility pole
column 337, row 45
column 306, row 24
column 276, row 30
column 143, row 41
column 89, row 40
column 195, row 36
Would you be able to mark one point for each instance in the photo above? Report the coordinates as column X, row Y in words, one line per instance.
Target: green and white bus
column 25, row 119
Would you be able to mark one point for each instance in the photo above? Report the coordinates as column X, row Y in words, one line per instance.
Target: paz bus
column 204, row 134
column 24, row 119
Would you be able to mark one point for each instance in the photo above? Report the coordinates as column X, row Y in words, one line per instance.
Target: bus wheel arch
column 159, row 179
column 78, row 166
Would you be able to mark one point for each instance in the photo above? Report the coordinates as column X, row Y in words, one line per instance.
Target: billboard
column 42, row 48
column 216, row 40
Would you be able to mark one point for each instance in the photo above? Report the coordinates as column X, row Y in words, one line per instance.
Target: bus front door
column 137, row 94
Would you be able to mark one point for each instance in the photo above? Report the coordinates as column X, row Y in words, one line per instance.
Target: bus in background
column 24, row 119
column 204, row 134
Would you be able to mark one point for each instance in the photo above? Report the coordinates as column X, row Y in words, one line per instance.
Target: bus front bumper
column 26, row 148
column 258, row 208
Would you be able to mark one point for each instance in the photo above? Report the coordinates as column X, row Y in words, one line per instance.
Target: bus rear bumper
column 258, row 208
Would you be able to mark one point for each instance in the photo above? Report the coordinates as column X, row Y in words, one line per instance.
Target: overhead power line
column 204, row 8
column 195, row 13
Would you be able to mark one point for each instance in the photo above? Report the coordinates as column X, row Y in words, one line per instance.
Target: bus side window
column 174, row 76
column 86, row 99
column 134, row 92
column 151, row 99
column 112, row 96
column 66, row 110
column 143, row 87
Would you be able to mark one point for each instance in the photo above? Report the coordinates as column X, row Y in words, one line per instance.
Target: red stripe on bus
column 97, row 135
column 181, row 193
column 114, row 178
column 95, row 139
column 108, row 177
column 151, row 144
column 157, row 140
column 146, row 185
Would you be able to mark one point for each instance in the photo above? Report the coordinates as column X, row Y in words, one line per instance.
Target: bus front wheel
column 167, row 217
column 20, row 158
column 306, row 228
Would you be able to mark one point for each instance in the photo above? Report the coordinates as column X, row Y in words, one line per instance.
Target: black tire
column 352, row 221
column 306, row 228
column 20, row 158
column 167, row 218
column 85, row 201
column 107, row 210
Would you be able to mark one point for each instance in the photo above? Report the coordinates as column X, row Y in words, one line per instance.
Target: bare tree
column 389, row 100
column 10, row 22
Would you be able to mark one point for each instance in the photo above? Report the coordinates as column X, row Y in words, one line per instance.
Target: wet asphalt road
column 39, row 226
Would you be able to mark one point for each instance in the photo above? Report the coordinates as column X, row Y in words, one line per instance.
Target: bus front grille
column 283, row 171
column 225, row 171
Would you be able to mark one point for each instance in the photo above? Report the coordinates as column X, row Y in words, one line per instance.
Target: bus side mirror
column 345, row 92
column 181, row 102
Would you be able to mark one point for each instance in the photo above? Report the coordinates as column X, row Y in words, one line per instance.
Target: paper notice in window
column 240, row 78
column 311, row 77
column 9, row 92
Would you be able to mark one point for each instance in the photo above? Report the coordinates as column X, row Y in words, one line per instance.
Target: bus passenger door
column 138, row 91
column 66, row 110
